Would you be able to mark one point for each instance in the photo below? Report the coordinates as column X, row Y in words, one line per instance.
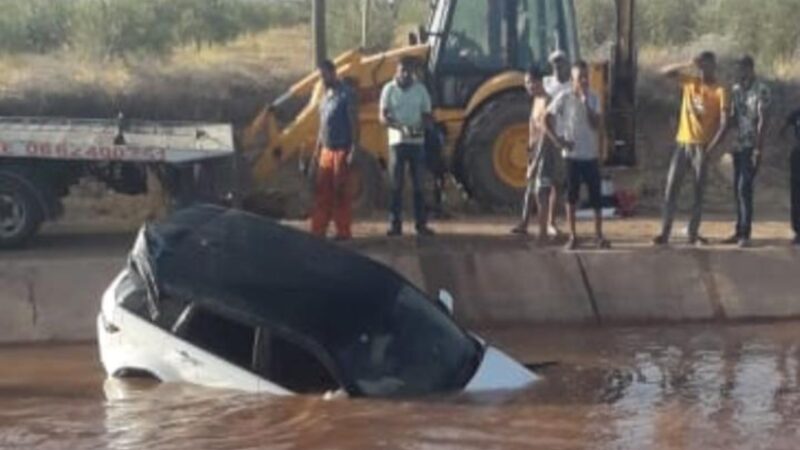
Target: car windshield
column 415, row 350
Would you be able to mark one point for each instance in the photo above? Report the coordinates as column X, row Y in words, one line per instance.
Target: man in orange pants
column 338, row 135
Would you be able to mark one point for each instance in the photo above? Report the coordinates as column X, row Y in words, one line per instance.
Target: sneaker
column 425, row 231
column 732, row 240
column 796, row 241
column 698, row 241
column 744, row 243
column 603, row 243
column 552, row 231
column 520, row 229
column 394, row 232
column 660, row 240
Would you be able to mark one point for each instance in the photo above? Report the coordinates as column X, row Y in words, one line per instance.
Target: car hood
column 499, row 371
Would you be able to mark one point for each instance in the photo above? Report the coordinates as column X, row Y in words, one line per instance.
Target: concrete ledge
column 53, row 300
column 495, row 281
column 646, row 285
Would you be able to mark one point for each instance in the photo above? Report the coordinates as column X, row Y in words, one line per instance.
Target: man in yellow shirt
column 703, row 119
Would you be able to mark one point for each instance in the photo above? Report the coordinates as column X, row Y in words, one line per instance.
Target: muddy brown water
column 686, row 387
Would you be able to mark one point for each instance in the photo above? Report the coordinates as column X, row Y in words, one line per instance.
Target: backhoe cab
column 475, row 53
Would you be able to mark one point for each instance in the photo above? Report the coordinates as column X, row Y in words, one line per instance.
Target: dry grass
column 224, row 83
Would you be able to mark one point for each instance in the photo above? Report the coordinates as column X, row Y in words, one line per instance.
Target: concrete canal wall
column 495, row 282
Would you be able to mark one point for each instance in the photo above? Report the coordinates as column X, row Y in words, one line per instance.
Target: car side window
column 290, row 365
column 132, row 292
column 228, row 339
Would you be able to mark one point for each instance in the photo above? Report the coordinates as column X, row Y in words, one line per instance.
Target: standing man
column 541, row 160
column 793, row 121
column 703, row 119
column 405, row 108
column 751, row 97
column 572, row 121
column 338, row 134
column 561, row 79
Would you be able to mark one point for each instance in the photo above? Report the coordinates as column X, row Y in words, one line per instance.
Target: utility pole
column 319, row 43
column 365, row 10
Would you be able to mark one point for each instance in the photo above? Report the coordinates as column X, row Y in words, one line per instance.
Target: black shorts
column 580, row 172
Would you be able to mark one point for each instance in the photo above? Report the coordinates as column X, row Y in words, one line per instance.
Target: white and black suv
column 224, row 298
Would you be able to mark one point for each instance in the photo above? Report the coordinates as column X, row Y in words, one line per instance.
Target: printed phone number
column 65, row 151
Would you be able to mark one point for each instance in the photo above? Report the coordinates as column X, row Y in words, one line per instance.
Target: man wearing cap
column 750, row 99
column 703, row 119
column 560, row 80
column 554, row 85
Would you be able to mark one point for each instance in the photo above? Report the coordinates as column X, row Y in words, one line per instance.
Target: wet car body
column 223, row 298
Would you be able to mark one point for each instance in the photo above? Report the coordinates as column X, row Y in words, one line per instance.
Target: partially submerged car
column 223, row 298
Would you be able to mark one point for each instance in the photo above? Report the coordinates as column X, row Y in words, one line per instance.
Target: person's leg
column 544, row 199
column 397, row 175
column 677, row 170
column 552, row 213
column 416, row 160
column 737, row 197
column 594, row 184
column 343, row 209
column 527, row 203
column 323, row 195
column 573, row 194
column 699, row 172
column 745, row 195
column 795, row 192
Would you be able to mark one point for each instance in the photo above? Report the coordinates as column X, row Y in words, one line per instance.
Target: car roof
column 265, row 273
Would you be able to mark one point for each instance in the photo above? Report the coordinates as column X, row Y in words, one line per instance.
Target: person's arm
column 676, row 71
column 385, row 116
column 550, row 130
column 790, row 120
column 553, row 111
column 723, row 122
column 761, row 126
column 532, row 128
column 355, row 126
column 590, row 102
column 427, row 108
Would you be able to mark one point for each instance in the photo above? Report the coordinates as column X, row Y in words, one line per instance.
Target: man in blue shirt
column 338, row 134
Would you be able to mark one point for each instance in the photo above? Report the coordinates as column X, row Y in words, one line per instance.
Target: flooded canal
column 699, row 386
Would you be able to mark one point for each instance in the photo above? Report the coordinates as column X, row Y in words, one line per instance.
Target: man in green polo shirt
column 405, row 109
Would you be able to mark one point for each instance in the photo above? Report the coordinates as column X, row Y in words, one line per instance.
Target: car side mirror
column 447, row 300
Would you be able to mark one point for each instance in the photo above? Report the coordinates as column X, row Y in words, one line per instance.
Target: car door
column 286, row 365
column 214, row 350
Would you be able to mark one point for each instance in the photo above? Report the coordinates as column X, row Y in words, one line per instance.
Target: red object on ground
column 626, row 202
column 332, row 198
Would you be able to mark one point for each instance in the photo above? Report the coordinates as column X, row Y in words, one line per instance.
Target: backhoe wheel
column 21, row 214
column 366, row 184
column 495, row 151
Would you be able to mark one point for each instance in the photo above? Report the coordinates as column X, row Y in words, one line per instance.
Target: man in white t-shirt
column 573, row 119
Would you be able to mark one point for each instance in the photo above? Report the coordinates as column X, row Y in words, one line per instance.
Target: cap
column 556, row 55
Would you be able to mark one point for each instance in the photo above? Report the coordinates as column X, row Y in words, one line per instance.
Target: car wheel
column 21, row 214
column 495, row 151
